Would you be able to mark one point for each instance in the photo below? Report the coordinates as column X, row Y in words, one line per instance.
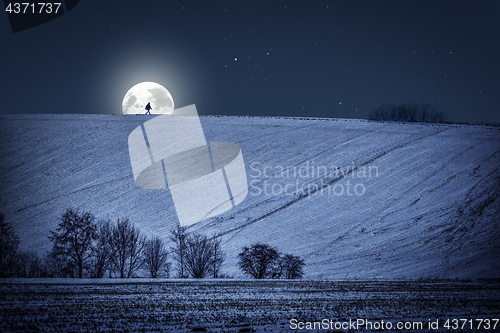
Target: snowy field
column 139, row 305
column 427, row 207
column 427, row 202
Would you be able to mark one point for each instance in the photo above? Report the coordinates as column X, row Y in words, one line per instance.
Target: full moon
column 141, row 94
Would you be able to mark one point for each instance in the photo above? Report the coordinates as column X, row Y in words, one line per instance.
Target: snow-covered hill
column 356, row 199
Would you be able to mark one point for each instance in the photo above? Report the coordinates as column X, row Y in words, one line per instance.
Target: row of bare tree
column 85, row 247
column 408, row 112
column 82, row 247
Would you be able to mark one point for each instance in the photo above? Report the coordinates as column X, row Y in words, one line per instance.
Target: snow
column 430, row 211
column 139, row 305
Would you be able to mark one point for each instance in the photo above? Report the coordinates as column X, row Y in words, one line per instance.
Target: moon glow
column 137, row 97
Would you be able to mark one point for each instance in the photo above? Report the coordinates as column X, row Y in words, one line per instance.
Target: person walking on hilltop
column 148, row 108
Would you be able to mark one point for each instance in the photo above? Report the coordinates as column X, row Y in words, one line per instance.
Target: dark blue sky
column 291, row 58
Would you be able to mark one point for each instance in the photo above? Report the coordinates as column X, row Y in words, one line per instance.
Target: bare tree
column 218, row 256
column 179, row 237
column 119, row 243
column 292, row 266
column 127, row 245
column 155, row 257
column 199, row 255
column 137, row 243
column 30, row 265
column 102, row 250
column 9, row 245
column 260, row 261
column 73, row 239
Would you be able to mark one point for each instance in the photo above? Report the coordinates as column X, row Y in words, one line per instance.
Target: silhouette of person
column 148, row 108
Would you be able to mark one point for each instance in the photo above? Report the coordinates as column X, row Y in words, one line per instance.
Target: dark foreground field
column 245, row 306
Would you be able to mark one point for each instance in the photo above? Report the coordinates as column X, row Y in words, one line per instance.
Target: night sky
column 336, row 59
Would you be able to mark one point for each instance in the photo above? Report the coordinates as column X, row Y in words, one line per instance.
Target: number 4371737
column 33, row 8
column 471, row 324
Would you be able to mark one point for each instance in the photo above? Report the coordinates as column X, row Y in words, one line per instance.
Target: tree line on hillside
column 85, row 247
column 408, row 112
